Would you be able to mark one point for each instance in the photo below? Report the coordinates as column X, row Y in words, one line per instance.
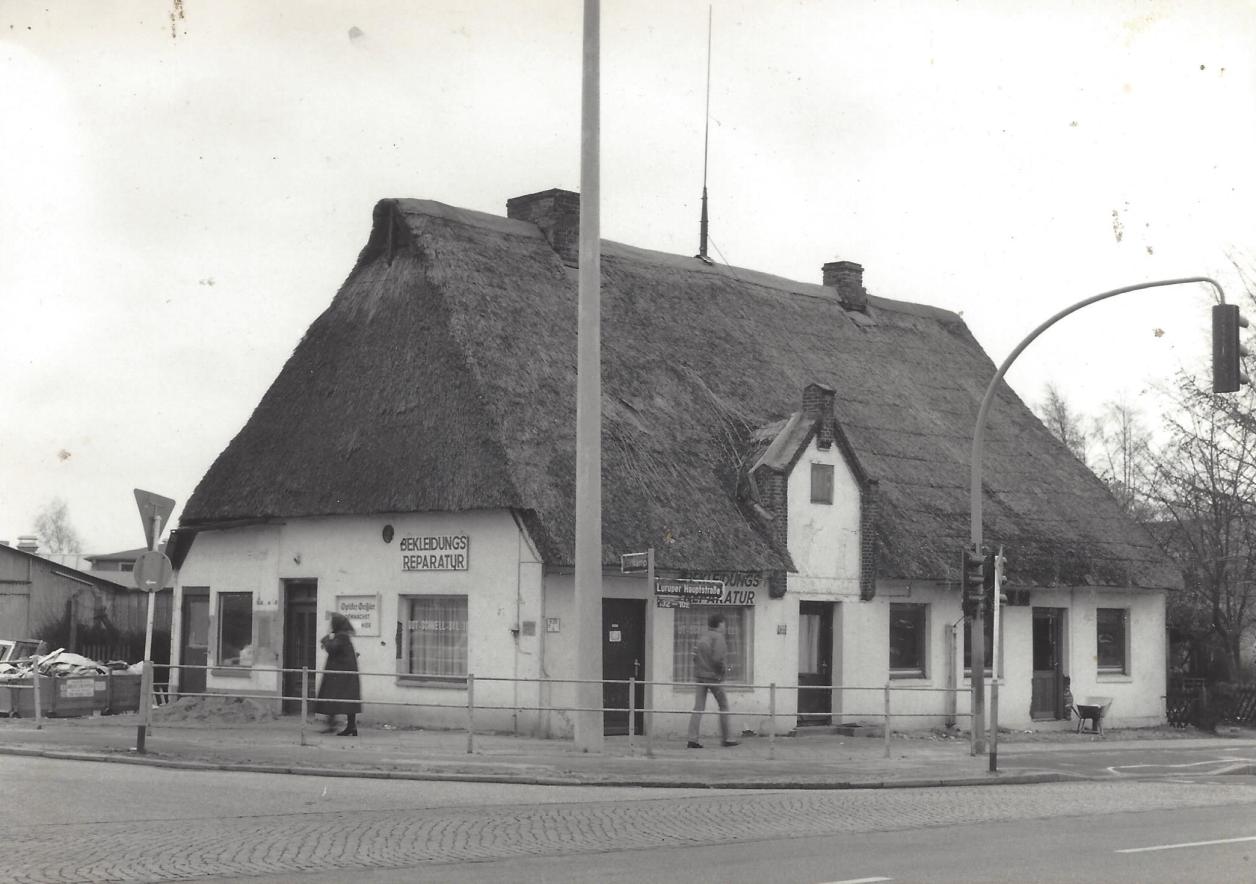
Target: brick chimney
column 817, row 406
column 557, row 213
column 847, row 278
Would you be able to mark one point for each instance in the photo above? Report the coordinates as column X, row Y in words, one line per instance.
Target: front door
column 815, row 663
column 300, row 639
column 623, row 657
column 1047, row 700
column 194, row 642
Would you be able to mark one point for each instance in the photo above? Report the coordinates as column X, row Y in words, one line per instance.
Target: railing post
column 470, row 714
column 39, row 724
column 305, row 700
column 994, row 725
column 887, row 719
column 632, row 710
column 651, row 720
column 772, row 721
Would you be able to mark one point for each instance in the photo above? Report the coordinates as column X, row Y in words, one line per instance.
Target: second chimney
column 557, row 213
column 847, row 278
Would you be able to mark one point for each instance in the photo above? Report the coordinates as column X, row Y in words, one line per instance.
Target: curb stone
column 627, row 781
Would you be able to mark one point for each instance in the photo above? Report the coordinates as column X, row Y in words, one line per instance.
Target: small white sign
column 553, row 624
column 362, row 611
column 81, row 687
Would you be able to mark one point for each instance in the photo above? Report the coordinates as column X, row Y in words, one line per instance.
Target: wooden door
column 300, row 640
column 815, row 663
column 623, row 657
column 194, row 641
column 1047, row 699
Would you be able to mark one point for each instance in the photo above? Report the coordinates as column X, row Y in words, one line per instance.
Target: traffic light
column 1227, row 352
column 974, row 573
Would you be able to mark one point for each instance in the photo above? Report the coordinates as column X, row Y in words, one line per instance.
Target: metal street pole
column 588, row 564
column 979, row 433
column 146, row 675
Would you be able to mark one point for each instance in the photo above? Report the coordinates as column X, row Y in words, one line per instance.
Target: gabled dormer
column 811, row 496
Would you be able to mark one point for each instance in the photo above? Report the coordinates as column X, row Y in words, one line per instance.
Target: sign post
column 152, row 572
column 636, row 563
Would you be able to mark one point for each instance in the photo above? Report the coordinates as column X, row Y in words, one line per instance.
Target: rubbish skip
column 70, row 685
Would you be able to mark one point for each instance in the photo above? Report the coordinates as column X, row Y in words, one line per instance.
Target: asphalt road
column 85, row 821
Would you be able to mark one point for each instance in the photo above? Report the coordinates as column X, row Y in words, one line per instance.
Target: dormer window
column 821, row 483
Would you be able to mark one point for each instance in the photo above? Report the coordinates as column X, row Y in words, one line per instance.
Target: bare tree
column 1125, row 461
column 1206, row 485
column 1064, row 422
column 56, row 534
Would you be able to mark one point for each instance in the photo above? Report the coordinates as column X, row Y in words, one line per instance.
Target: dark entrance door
column 300, row 639
column 194, row 641
column 815, row 663
column 1047, row 700
column 623, row 657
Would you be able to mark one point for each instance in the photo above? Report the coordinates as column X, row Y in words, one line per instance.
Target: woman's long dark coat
column 340, row 692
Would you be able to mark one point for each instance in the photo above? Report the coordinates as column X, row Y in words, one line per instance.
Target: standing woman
column 340, row 692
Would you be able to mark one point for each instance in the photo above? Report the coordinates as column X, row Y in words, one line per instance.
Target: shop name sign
column 440, row 552
column 362, row 611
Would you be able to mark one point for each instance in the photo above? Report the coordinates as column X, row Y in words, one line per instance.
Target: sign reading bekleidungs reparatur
column 436, row 552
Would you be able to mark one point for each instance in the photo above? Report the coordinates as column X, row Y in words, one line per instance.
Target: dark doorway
column 194, row 640
column 623, row 657
column 1047, row 700
column 300, row 639
column 815, row 663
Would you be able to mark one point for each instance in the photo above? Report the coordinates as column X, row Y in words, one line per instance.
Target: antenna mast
column 706, row 140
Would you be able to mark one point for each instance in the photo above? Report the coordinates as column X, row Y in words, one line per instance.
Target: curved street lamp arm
column 980, row 429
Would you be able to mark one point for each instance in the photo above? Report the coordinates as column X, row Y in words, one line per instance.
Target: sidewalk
column 814, row 761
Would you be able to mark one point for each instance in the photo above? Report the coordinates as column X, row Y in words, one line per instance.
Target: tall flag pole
column 588, row 570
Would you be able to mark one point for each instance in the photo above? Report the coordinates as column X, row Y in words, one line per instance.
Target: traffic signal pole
column 979, row 433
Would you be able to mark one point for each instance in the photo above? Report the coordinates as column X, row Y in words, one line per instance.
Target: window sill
column 232, row 672
column 906, row 676
column 452, row 683
column 1114, row 677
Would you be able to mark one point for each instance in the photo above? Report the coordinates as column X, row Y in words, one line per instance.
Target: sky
column 186, row 184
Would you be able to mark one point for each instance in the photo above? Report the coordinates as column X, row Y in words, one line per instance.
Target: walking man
column 708, row 671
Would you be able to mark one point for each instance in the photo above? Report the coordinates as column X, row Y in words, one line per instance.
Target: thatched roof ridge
column 442, row 378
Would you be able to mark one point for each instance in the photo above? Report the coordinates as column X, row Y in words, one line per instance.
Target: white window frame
column 740, row 650
column 238, row 660
column 922, row 639
column 409, row 633
column 1124, row 667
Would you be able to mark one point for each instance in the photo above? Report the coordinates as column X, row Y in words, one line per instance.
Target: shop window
column 691, row 625
column 1113, row 640
column 235, row 629
column 907, row 641
column 821, row 483
column 987, row 624
column 436, row 637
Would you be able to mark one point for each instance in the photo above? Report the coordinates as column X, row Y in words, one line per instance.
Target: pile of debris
column 59, row 663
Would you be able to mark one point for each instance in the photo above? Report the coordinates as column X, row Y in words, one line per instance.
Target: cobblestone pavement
column 399, row 837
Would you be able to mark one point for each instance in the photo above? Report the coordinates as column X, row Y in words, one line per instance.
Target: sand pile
column 224, row 709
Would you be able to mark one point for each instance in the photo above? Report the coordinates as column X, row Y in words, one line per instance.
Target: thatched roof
column 442, row 378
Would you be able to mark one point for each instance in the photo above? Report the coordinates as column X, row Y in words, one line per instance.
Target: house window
column 436, row 637
column 126, row 566
column 821, row 483
column 907, row 641
column 987, row 630
column 691, row 625
column 1112, row 640
column 235, row 629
